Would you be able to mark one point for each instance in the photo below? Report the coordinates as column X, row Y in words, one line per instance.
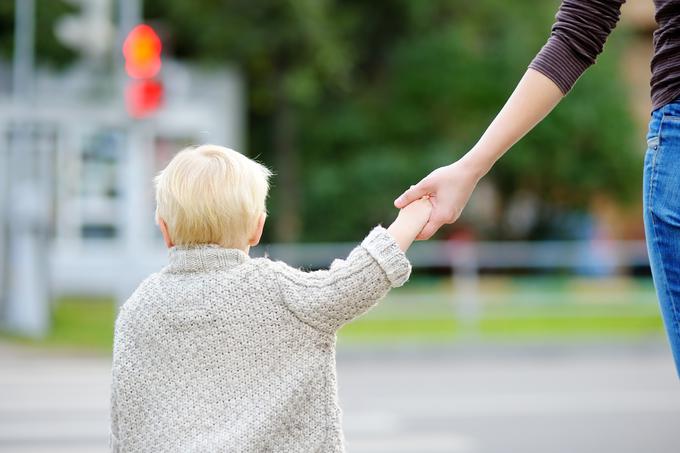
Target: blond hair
column 211, row 195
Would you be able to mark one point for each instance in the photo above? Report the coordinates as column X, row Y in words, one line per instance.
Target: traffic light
column 142, row 51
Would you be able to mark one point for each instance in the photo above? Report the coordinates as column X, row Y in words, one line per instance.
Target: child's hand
column 417, row 213
column 410, row 222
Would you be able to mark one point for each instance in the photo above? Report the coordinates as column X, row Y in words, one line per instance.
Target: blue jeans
column 662, row 215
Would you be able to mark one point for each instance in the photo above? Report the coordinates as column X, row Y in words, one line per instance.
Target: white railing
column 101, row 267
column 466, row 260
column 593, row 255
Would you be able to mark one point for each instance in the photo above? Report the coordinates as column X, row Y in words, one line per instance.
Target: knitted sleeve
column 578, row 36
column 327, row 299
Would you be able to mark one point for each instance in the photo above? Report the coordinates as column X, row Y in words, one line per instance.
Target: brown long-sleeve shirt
column 579, row 34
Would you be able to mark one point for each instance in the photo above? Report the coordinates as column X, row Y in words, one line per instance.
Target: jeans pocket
column 653, row 143
column 668, row 123
column 663, row 165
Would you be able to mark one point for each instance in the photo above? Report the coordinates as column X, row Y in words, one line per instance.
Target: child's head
column 212, row 195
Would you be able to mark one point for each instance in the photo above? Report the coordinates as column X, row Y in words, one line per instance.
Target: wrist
column 476, row 163
column 400, row 225
column 403, row 231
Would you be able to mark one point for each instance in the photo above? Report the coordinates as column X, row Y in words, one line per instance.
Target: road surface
column 581, row 399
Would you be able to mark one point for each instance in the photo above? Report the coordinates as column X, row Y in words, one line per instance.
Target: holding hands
column 448, row 188
column 410, row 222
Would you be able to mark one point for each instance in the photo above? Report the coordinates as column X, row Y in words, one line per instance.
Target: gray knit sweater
column 219, row 352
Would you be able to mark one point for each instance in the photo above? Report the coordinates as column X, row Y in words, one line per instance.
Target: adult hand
column 449, row 189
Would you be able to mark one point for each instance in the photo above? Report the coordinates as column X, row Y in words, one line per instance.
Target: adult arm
column 578, row 36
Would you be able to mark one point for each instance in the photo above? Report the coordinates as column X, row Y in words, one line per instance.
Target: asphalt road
column 579, row 399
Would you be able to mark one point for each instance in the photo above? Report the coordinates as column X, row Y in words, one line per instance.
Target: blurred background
column 529, row 325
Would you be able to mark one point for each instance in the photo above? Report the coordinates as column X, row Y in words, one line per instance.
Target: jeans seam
column 652, row 183
column 655, row 150
column 671, row 299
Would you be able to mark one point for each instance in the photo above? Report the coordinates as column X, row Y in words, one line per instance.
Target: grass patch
column 78, row 322
column 639, row 325
column 529, row 327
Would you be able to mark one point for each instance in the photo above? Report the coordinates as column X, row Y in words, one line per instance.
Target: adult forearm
column 450, row 187
column 534, row 97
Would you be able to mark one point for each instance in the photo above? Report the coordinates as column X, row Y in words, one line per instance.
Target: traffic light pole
column 129, row 15
column 24, row 44
column 26, row 288
column 135, row 164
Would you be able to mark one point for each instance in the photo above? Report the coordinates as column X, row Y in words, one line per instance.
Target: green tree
column 433, row 82
column 289, row 50
column 48, row 50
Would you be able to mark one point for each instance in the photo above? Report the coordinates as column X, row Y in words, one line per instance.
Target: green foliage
column 47, row 48
column 351, row 102
column 294, row 39
column 586, row 146
column 436, row 88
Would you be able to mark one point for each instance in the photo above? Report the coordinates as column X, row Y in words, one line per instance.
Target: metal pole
column 129, row 15
column 465, row 279
column 24, row 44
column 22, row 71
column 135, row 169
column 4, row 257
column 27, row 293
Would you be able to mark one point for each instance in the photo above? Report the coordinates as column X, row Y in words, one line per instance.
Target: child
column 219, row 352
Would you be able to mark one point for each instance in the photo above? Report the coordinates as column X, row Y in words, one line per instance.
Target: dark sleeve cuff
column 383, row 248
column 558, row 62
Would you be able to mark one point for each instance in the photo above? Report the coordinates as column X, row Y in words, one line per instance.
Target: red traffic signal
column 143, row 97
column 142, row 52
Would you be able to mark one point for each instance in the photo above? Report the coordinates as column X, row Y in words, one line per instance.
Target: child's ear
column 166, row 235
column 257, row 234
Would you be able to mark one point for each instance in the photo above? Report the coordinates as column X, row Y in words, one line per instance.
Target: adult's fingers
column 429, row 230
column 414, row 193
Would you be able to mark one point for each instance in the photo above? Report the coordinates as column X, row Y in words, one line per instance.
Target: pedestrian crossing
column 58, row 403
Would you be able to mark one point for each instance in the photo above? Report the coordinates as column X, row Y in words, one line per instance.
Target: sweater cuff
column 558, row 62
column 383, row 248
